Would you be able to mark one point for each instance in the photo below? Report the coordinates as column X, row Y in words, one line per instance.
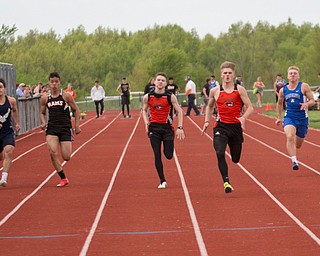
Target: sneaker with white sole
column 163, row 185
column 63, row 183
column 3, row 183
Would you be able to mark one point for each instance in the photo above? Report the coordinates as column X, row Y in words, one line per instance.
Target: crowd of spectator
column 27, row 91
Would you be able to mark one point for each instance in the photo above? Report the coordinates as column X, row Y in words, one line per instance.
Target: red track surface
column 113, row 207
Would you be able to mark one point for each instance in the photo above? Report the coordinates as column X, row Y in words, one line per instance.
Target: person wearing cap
column 124, row 91
column 191, row 93
column 97, row 95
column 8, row 109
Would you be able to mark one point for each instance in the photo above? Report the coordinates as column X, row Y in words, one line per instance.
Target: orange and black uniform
column 160, row 128
column 227, row 129
column 59, row 123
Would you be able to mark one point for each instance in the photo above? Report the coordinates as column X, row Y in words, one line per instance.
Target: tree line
column 108, row 54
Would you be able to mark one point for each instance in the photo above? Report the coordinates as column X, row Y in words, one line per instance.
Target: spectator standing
column 258, row 91
column 19, row 89
column 172, row 88
column 124, row 91
column 205, row 94
column 191, row 94
column 38, row 89
column 97, row 95
column 149, row 86
column 73, row 94
column 214, row 82
column 278, row 84
column 8, row 110
column 239, row 81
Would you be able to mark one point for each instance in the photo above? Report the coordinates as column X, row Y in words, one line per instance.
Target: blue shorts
column 301, row 125
column 7, row 139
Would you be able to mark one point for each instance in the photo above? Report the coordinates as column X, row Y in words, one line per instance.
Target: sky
column 205, row 16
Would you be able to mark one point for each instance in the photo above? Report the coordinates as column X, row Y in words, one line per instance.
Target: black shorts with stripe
column 64, row 134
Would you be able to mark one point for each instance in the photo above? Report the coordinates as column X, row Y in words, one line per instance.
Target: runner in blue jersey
column 298, row 98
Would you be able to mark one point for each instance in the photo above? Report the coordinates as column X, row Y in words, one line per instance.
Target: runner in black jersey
column 59, row 130
column 158, row 124
column 8, row 109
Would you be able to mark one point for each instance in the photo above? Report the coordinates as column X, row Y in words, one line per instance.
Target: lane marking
column 196, row 228
column 94, row 226
column 10, row 214
column 290, row 214
column 282, row 132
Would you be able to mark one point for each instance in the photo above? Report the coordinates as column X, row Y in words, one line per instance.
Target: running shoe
column 227, row 187
column 3, row 183
column 163, row 185
column 63, row 182
column 295, row 166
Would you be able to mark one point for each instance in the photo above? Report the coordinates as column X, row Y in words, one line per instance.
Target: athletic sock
column 294, row 159
column 62, row 175
column 4, row 176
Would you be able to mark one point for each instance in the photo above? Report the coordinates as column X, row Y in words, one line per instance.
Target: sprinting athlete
column 159, row 126
column 298, row 98
column 59, row 132
column 8, row 110
column 229, row 99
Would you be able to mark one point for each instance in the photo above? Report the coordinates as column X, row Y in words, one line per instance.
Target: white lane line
column 290, row 214
column 282, row 132
column 94, row 226
column 5, row 219
column 196, row 228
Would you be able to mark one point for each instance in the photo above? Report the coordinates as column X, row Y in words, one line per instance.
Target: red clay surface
column 273, row 210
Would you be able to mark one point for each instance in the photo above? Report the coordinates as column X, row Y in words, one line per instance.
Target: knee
column 220, row 154
column 66, row 158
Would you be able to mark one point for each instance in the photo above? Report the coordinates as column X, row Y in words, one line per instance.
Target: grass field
column 314, row 120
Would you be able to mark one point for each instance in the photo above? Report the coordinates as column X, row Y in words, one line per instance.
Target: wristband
column 180, row 127
column 206, row 121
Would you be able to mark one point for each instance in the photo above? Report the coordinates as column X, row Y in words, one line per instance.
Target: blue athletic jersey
column 293, row 98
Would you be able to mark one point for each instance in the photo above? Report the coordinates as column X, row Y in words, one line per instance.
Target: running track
column 113, row 207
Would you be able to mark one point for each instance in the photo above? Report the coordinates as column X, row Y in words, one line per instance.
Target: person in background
column 205, row 95
column 239, row 81
column 149, row 86
column 278, row 84
column 258, row 91
column 97, row 95
column 8, row 111
column 230, row 120
column 59, row 132
column 158, row 125
column 214, row 82
column 38, row 89
column 73, row 94
column 191, row 94
column 19, row 89
column 298, row 98
column 171, row 87
column 124, row 91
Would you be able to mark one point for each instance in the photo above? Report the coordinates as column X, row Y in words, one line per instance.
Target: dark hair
column 279, row 75
column 3, row 82
column 97, row 81
column 170, row 78
column 54, row 74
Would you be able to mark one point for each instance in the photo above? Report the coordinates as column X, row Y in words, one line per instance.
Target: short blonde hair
column 294, row 68
column 228, row 64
